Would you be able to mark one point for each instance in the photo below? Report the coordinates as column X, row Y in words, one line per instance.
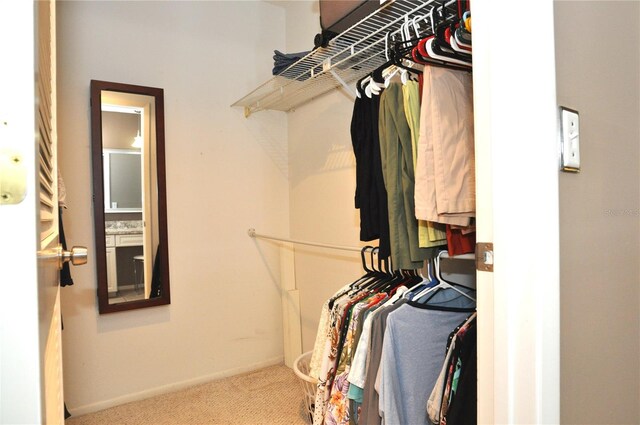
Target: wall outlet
column 570, row 139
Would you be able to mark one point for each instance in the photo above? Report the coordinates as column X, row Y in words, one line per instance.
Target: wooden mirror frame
column 97, row 87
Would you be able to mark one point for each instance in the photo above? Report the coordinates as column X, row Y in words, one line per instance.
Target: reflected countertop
column 123, row 227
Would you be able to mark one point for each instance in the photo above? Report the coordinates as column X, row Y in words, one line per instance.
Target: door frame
column 517, row 187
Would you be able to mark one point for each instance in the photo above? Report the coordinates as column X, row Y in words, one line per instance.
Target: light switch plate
column 570, row 139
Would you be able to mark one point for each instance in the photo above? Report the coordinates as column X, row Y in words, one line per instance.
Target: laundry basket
column 301, row 369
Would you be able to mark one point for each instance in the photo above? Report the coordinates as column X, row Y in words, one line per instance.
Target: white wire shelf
column 349, row 56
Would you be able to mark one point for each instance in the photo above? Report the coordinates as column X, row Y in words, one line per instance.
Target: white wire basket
column 309, row 384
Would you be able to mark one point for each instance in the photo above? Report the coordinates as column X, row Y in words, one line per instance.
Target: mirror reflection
column 122, row 180
column 129, row 182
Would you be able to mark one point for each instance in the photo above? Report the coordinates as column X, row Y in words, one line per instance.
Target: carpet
column 270, row 396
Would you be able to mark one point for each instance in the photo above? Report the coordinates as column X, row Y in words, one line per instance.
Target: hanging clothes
column 445, row 171
column 338, row 412
column 381, row 363
column 397, row 167
column 369, row 413
column 332, row 361
column 371, row 195
column 430, row 234
column 358, row 365
column 345, row 311
column 361, row 329
column 318, row 347
column 462, row 400
column 459, row 241
column 330, row 356
column 435, row 402
column 412, row 357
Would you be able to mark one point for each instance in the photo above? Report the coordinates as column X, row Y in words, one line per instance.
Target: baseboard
column 101, row 405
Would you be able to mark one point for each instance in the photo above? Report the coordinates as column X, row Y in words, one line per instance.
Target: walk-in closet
column 327, row 249
column 408, row 68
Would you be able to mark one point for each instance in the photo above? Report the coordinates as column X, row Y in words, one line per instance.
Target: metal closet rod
column 252, row 234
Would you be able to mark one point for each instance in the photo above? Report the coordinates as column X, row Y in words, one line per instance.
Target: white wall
column 224, row 174
column 322, row 184
column 322, row 204
column 599, row 212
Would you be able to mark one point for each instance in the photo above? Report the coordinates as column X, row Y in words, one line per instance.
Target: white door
column 30, row 346
column 517, row 191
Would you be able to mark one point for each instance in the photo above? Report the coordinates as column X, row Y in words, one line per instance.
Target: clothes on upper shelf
column 376, row 331
column 282, row 61
column 415, row 167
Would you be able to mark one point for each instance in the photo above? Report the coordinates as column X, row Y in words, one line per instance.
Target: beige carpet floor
column 270, row 396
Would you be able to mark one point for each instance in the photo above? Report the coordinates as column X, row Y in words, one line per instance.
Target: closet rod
column 252, row 234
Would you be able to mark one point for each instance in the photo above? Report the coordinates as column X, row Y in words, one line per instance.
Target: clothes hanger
column 375, row 83
column 440, row 48
column 408, row 69
column 462, row 33
column 375, row 80
column 421, row 48
column 355, row 286
column 438, row 271
column 427, row 280
column 431, row 283
column 393, row 69
column 390, row 280
column 419, row 54
column 400, row 291
column 400, row 56
column 437, row 52
column 400, row 277
column 452, row 38
column 463, row 37
column 385, row 276
column 359, row 89
column 375, row 277
column 388, row 76
column 379, row 76
column 456, row 47
column 443, row 284
column 364, row 262
column 447, row 284
column 373, row 274
column 443, row 43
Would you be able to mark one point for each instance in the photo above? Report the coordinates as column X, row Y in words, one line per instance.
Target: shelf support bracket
column 341, row 81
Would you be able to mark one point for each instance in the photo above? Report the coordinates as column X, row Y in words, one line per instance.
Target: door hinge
column 484, row 256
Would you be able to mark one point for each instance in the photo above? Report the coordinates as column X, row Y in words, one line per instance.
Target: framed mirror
column 129, row 196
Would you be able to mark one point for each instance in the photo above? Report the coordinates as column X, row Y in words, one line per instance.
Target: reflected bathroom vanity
column 126, row 277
